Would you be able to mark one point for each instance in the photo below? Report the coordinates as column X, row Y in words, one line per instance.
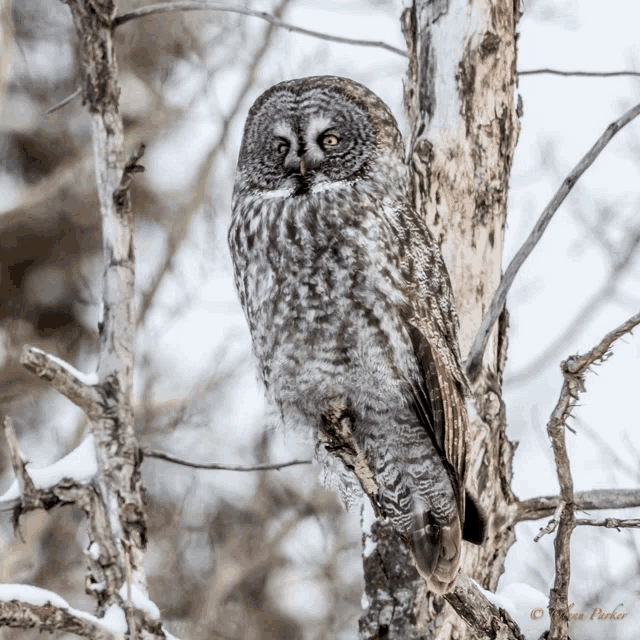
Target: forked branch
column 573, row 370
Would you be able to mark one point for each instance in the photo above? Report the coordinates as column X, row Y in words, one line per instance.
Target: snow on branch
column 481, row 614
column 25, row 607
column 102, row 476
column 47, row 487
column 73, row 384
column 474, row 360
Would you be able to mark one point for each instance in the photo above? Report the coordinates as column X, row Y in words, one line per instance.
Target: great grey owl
column 349, row 303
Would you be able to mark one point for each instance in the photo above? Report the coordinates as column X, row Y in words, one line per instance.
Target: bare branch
column 221, row 467
column 62, row 379
column 25, row 483
column 474, row 361
column 65, row 101
column 47, row 617
column 166, row 7
column 577, row 365
column 580, row 74
column 542, row 507
column 573, row 370
column 610, row 523
column 552, row 524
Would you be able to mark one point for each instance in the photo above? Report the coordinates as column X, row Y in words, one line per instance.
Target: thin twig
column 160, row 455
column 528, row 72
column 579, row 74
column 65, row 101
column 552, row 524
column 474, row 361
column 166, row 7
column 577, row 365
column 610, row 523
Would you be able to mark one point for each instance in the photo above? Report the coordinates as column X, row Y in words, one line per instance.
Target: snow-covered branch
column 73, row 384
column 45, row 488
column 27, row 607
column 102, row 476
column 552, row 525
column 484, row 617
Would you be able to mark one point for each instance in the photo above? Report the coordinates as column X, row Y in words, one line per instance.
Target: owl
column 350, row 306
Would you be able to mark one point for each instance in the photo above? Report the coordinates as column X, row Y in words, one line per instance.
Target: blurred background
column 274, row 554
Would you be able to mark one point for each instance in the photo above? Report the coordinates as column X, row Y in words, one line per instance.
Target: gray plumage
column 349, row 303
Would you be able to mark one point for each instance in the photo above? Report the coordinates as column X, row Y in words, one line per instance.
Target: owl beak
column 303, row 166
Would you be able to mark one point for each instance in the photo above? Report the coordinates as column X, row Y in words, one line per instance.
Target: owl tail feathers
column 436, row 551
column 474, row 529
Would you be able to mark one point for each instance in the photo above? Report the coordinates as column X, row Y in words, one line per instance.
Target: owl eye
column 283, row 146
column 329, row 140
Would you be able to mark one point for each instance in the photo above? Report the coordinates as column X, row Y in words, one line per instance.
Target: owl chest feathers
column 322, row 288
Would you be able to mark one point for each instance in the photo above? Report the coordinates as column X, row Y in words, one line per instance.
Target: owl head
column 303, row 136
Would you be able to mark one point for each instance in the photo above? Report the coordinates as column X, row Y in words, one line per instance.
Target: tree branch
column 573, row 370
column 481, row 614
column 64, row 102
column 166, row 7
column 64, row 379
column 553, row 523
column 542, row 507
column 151, row 453
column 610, row 523
column 474, row 361
column 47, row 617
column 579, row 74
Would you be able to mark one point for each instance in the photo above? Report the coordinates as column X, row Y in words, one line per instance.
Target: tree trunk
column 460, row 104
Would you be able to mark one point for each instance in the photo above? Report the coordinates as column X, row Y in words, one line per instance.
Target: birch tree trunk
column 459, row 98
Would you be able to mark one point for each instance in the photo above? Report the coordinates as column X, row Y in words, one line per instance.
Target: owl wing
column 439, row 393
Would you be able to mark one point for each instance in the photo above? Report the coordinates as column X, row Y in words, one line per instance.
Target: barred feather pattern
column 350, row 308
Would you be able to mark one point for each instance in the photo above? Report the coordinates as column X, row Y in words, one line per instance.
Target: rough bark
column 460, row 104
column 113, row 501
